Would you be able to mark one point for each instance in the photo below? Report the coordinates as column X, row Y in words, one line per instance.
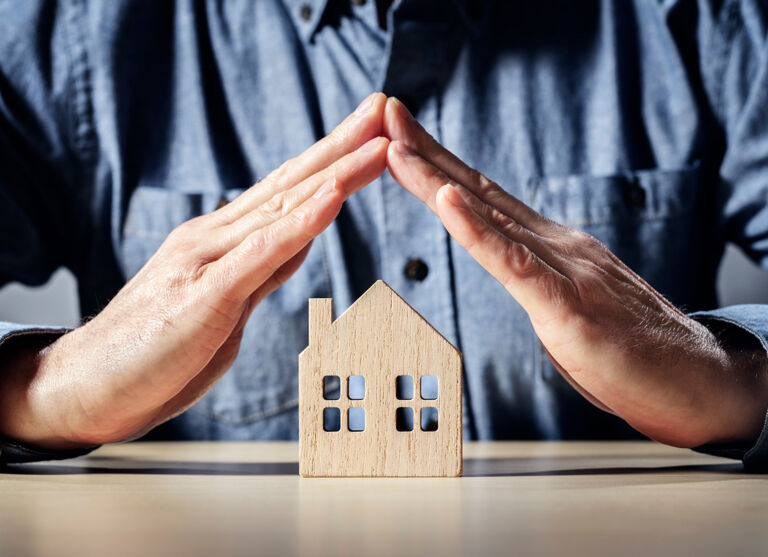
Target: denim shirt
column 643, row 123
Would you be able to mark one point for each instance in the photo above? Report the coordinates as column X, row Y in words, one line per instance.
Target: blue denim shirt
column 643, row 123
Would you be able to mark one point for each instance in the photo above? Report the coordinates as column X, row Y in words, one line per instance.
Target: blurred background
column 740, row 282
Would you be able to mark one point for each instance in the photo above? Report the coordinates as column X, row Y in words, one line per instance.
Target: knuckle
column 257, row 246
column 483, row 183
column 523, row 261
column 279, row 173
column 303, row 220
column 592, row 243
column 509, row 226
column 180, row 232
column 572, row 242
column 581, row 238
column 276, row 206
column 258, row 242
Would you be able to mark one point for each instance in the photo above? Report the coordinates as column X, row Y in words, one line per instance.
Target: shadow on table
column 473, row 467
column 521, row 467
column 110, row 465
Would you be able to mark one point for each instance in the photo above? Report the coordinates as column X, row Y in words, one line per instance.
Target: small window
column 429, row 387
column 429, row 419
column 404, row 419
column 331, row 387
column 331, row 419
column 356, row 387
column 404, row 387
column 356, row 419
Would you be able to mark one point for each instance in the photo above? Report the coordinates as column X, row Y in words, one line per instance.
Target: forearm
column 32, row 399
column 737, row 389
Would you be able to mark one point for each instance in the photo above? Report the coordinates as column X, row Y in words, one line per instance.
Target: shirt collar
column 306, row 15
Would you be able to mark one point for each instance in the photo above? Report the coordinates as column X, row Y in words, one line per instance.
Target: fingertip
column 399, row 107
column 377, row 112
column 375, row 151
column 380, row 98
column 366, row 121
column 382, row 149
column 449, row 195
column 397, row 155
column 370, row 146
column 396, row 119
column 372, row 103
column 453, row 210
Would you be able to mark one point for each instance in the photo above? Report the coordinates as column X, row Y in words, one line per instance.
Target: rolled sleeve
column 12, row 451
column 752, row 320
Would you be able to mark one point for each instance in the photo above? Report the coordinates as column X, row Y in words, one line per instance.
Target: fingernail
column 404, row 150
column 326, row 188
column 366, row 104
column 368, row 145
column 453, row 196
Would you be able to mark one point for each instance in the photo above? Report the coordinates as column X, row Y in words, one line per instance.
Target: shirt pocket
column 586, row 201
column 152, row 213
column 254, row 398
column 647, row 218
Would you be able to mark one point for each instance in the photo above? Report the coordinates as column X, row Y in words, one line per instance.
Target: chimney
column 320, row 318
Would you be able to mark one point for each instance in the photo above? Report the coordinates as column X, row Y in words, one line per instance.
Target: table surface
column 521, row 498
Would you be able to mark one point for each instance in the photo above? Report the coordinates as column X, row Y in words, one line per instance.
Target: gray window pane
column 429, row 387
column 429, row 419
column 356, row 387
column 404, row 419
column 404, row 387
column 356, row 419
column 331, row 419
column 331, row 387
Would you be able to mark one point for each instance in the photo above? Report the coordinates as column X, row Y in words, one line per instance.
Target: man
column 627, row 141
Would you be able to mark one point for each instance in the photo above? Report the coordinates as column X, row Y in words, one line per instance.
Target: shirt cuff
column 12, row 451
column 735, row 324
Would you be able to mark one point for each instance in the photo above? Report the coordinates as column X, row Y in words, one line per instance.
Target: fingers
column 358, row 128
column 263, row 252
column 421, row 178
column 530, row 280
column 403, row 129
column 400, row 125
column 351, row 172
column 426, row 180
column 276, row 281
column 219, row 364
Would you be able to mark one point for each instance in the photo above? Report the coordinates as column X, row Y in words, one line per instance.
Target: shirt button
column 416, row 269
column 305, row 12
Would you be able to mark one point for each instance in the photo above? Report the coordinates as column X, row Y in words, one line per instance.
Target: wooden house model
column 379, row 392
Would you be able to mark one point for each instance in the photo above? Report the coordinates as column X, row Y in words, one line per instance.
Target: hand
column 175, row 327
column 610, row 334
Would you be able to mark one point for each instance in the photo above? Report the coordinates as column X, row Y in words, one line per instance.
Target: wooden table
column 535, row 498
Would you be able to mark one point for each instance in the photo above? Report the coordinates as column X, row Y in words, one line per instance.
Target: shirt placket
column 416, row 259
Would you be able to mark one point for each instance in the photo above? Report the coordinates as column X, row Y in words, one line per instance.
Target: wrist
column 34, row 409
column 743, row 400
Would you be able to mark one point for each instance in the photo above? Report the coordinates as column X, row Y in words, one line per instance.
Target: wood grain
column 634, row 499
column 379, row 337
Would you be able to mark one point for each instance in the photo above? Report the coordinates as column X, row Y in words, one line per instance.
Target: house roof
column 382, row 287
